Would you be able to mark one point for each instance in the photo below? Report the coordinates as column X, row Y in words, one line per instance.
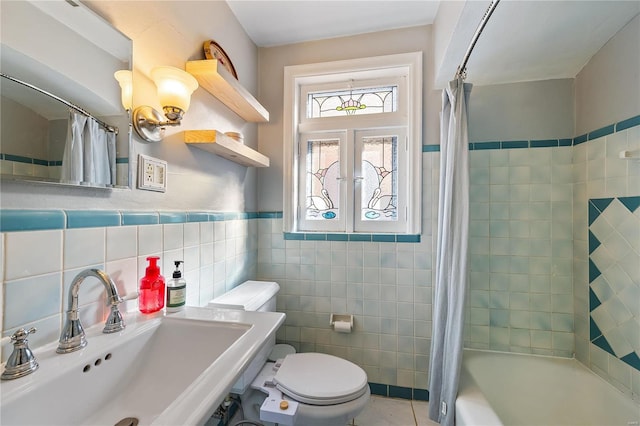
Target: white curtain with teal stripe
column 451, row 255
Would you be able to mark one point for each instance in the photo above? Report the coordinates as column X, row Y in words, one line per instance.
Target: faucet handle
column 21, row 361
column 20, row 336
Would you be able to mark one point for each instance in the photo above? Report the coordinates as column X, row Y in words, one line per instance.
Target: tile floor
column 383, row 411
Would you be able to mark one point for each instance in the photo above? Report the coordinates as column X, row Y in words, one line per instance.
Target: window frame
column 330, row 74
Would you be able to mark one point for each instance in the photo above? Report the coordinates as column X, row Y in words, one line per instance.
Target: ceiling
column 525, row 40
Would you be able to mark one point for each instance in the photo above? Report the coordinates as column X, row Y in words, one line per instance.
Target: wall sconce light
column 125, row 79
column 175, row 87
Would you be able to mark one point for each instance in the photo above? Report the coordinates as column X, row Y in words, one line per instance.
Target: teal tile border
column 18, row 158
column 430, row 148
column 140, row 218
column 383, row 238
column 514, row 144
column 603, row 131
column 359, row 237
column 628, row 123
column 378, row 238
column 393, row 391
column 31, row 220
column 13, row 220
column 269, row 215
column 172, row 217
column 580, row 139
column 293, row 236
column 547, row 143
column 477, row 146
column 407, row 238
column 92, row 218
column 316, row 237
column 197, row 217
column 41, row 162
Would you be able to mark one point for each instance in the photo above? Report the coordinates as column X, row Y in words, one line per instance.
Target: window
column 353, row 145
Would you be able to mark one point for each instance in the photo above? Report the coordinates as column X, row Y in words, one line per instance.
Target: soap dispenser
column 151, row 288
column 176, row 290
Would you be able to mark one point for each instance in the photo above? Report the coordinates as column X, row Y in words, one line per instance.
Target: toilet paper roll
column 342, row 326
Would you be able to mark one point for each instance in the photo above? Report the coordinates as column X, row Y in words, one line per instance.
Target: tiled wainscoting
column 42, row 251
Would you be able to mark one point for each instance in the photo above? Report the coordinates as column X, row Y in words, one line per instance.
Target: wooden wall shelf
column 215, row 79
column 222, row 145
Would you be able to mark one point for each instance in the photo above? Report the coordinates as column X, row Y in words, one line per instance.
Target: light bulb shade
column 125, row 79
column 175, row 87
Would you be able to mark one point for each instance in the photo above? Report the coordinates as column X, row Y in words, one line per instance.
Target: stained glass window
column 322, row 179
column 354, row 147
column 379, row 192
column 371, row 100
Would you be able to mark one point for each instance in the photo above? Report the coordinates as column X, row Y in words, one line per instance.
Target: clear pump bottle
column 151, row 288
column 176, row 290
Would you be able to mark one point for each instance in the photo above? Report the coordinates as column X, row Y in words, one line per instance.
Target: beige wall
column 521, row 111
column 272, row 61
column 608, row 87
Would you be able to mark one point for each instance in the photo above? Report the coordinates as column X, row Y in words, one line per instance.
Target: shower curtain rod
column 107, row 127
column 462, row 69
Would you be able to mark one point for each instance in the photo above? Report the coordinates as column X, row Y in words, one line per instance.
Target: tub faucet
column 72, row 337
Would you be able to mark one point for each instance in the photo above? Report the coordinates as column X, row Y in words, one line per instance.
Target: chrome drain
column 128, row 421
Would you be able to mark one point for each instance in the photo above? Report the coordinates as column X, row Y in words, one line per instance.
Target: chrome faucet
column 72, row 337
column 21, row 361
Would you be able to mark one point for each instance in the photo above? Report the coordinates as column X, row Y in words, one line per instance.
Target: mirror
column 60, row 48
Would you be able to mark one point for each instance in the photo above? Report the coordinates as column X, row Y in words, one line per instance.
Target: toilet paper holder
column 341, row 318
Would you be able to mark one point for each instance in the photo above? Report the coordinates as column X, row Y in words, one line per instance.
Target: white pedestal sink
column 165, row 370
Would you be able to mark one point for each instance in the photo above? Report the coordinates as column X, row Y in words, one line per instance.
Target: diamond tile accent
column 632, row 203
column 614, row 276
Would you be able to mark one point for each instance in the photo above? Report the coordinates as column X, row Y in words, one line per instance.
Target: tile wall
column 387, row 286
column 521, row 294
column 529, row 244
column 599, row 172
column 219, row 251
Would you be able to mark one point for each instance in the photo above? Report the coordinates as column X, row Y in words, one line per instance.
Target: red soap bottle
column 152, row 288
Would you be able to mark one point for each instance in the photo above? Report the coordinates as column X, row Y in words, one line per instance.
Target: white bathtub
column 511, row 389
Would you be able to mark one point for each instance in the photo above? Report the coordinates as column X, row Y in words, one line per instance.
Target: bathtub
column 511, row 389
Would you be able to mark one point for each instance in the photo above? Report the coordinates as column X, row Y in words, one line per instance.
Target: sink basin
column 173, row 369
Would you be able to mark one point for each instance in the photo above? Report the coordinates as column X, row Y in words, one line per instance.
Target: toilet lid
column 320, row 379
column 280, row 351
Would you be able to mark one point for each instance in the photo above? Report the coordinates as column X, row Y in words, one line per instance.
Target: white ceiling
column 277, row 22
column 524, row 40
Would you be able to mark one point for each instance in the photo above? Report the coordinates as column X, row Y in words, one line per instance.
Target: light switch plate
column 152, row 173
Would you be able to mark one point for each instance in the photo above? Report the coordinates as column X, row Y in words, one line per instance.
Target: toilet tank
column 249, row 296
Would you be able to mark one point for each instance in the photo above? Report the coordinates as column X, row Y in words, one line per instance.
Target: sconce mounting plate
column 146, row 122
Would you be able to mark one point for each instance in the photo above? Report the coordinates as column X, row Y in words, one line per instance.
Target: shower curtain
column 89, row 153
column 451, row 254
column 72, row 159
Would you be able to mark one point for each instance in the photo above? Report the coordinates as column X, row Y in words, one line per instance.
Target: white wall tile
column 24, row 308
column 149, row 239
column 83, row 247
column 173, row 236
column 122, row 242
column 32, row 253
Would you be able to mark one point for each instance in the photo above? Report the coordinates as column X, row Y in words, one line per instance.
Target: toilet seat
column 320, row 379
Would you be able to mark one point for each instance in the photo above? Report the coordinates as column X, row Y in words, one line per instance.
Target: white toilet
column 320, row 389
